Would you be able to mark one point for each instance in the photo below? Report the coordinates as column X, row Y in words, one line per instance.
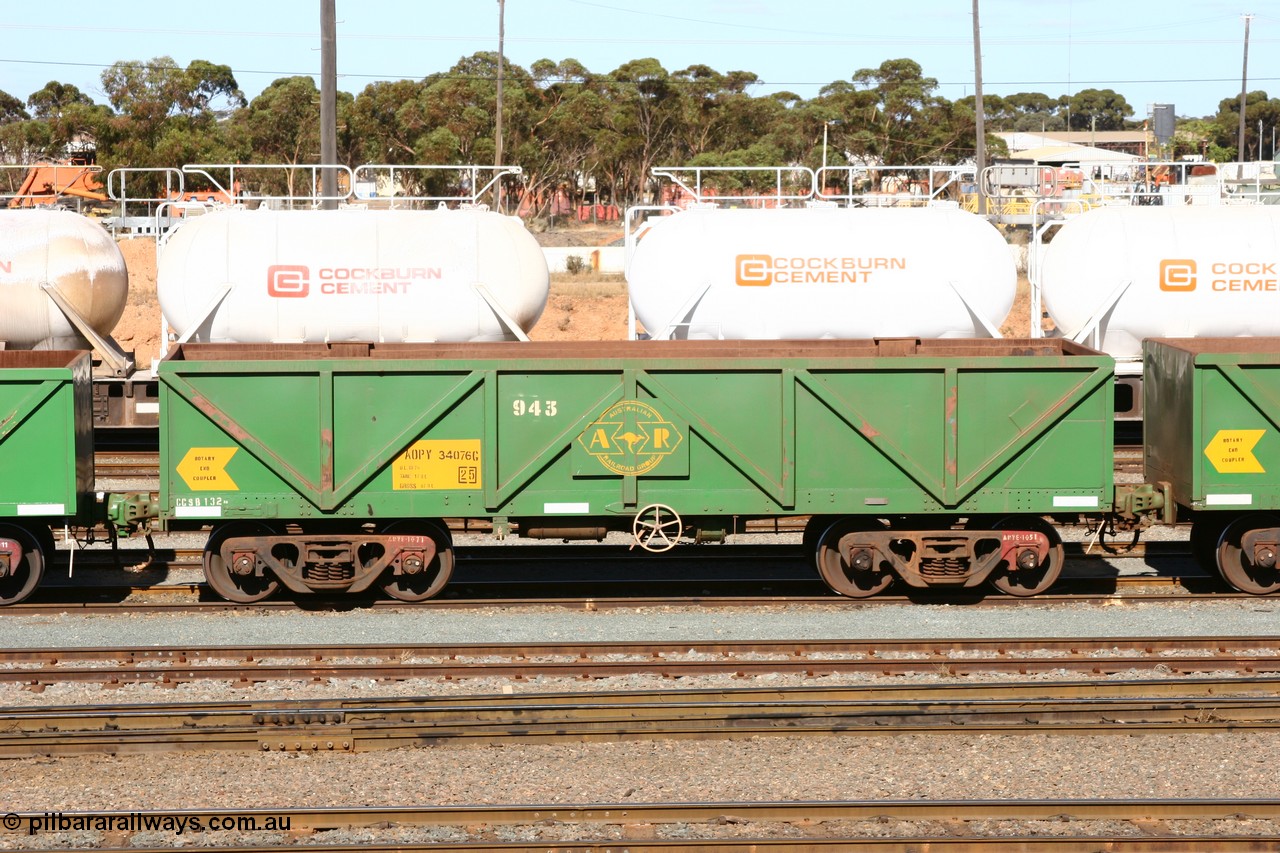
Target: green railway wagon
column 333, row 467
column 46, row 458
column 1213, row 434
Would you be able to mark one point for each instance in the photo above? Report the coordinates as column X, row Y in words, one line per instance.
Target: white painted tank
column 77, row 255
column 1179, row 271
column 351, row 275
column 822, row 272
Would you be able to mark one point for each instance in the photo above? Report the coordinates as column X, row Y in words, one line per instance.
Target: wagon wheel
column 1026, row 582
column 813, row 530
column 1206, row 532
column 657, row 528
column 23, row 576
column 843, row 578
column 1237, row 566
column 242, row 589
column 425, row 583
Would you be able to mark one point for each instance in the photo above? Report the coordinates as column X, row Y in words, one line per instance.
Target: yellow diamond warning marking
column 438, row 464
column 1231, row 451
column 204, row 469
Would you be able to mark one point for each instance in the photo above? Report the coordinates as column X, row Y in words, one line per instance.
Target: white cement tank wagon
column 73, row 253
column 822, row 272
column 1145, row 272
column 351, row 275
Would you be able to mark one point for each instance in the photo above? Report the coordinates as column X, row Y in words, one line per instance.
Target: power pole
column 328, row 104
column 980, row 155
column 1244, row 88
column 497, row 134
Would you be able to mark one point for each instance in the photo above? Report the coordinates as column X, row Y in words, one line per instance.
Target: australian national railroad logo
column 631, row 438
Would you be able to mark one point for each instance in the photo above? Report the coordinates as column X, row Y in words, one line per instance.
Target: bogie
column 1247, row 553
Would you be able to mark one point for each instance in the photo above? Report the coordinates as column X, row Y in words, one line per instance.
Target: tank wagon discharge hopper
column 63, row 286
column 822, row 273
column 258, row 276
column 1115, row 276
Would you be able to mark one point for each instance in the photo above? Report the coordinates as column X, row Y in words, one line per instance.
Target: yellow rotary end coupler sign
column 438, row 464
column 631, row 438
column 1230, row 451
column 203, row 469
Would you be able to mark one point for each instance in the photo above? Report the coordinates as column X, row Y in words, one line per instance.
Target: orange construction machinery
column 46, row 184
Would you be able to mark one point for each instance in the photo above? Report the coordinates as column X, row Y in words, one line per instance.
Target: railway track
column 602, row 576
column 1131, row 707
column 1127, row 458
column 128, row 464
column 37, row 668
column 197, row 597
column 1121, row 825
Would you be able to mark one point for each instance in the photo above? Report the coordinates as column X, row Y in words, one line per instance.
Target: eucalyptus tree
column 642, row 126
column 166, row 115
column 282, row 125
column 1098, row 109
column 1258, row 108
column 384, row 122
column 559, row 152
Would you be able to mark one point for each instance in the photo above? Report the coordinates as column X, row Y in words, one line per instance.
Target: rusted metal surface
column 1173, row 810
column 319, row 563
column 520, row 351
column 1152, row 842
column 788, row 712
column 152, row 593
column 141, row 464
column 293, row 711
column 938, row 648
column 954, row 558
column 600, row 660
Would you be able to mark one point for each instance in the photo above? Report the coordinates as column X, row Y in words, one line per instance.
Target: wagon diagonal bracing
column 328, row 467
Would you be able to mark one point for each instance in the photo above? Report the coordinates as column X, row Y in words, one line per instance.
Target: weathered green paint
column 1197, row 389
column 46, row 433
column 763, row 428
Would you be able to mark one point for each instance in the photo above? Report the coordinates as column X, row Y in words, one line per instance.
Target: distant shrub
column 574, row 264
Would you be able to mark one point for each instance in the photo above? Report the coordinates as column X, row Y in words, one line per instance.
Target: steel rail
column 168, row 596
column 361, row 729
column 329, row 819
column 601, row 660
column 1125, row 586
column 881, row 649
column 291, row 711
column 1149, row 842
column 43, row 607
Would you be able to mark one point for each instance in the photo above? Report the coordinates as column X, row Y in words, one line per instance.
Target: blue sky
column 1188, row 54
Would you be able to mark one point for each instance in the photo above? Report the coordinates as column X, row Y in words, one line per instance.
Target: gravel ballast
column 958, row 766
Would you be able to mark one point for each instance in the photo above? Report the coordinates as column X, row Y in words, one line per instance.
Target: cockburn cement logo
column 1181, row 275
column 294, row 281
column 764, row 270
column 631, row 438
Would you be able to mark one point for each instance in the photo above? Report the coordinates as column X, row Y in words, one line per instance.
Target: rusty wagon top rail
column 825, row 349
